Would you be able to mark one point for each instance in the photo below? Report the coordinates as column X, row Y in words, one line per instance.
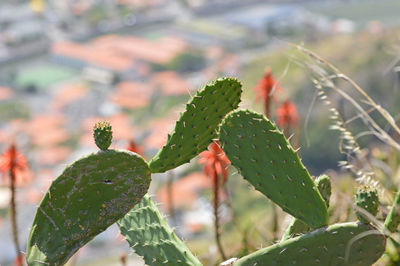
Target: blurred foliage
column 185, row 62
column 13, row 109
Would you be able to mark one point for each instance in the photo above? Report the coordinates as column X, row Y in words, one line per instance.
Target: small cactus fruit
column 89, row 196
column 393, row 219
column 198, row 125
column 367, row 203
column 354, row 244
column 150, row 236
column 102, row 133
column 297, row 227
column 265, row 158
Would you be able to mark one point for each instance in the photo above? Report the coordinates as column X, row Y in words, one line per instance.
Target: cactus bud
column 102, row 133
column 366, row 200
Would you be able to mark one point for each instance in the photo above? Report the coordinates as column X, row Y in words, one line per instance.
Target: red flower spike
column 265, row 90
column 134, row 148
column 215, row 162
column 287, row 115
column 13, row 160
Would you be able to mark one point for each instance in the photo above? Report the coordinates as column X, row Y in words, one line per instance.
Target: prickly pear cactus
column 150, row 236
column 393, row 219
column 89, row 196
column 297, row 227
column 366, row 200
column 354, row 244
column 265, row 158
column 102, row 134
column 197, row 125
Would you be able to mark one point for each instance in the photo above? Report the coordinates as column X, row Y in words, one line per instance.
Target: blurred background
column 65, row 65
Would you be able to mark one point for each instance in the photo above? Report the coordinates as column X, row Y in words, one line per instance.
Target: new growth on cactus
column 367, row 203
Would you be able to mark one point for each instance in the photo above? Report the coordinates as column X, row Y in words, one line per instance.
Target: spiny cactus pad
column 150, row 236
column 297, row 227
column 102, row 133
column 348, row 244
column 366, row 200
column 90, row 195
column 197, row 125
column 265, row 158
column 393, row 219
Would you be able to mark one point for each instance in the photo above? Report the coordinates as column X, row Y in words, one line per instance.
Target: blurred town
column 65, row 65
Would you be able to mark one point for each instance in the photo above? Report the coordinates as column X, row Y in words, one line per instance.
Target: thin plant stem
column 13, row 210
column 216, row 216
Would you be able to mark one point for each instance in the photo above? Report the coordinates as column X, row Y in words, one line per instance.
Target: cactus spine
column 265, row 158
column 198, row 125
column 150, row 236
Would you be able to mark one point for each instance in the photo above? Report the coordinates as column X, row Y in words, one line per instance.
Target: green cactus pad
column 347, row 244
column 393, row 219
column 150, row 236
column 197, row 125
column 102, row 133
column 90, row 195
column 265, row 158
column 366, row 199
column 297, row 227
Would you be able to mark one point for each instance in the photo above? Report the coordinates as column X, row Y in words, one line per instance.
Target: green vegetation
column 13, row 109
column 40, row 78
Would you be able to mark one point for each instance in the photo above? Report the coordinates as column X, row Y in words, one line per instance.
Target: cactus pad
column 393, row 219
column 151, row 237
column 89, row 196
column 367, row 200
column 102, row 133
column 197, row 125
column 297, row 227
column 352, row 244
column 265, row 158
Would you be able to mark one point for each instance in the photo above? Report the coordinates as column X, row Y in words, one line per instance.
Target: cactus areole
column 89, row 196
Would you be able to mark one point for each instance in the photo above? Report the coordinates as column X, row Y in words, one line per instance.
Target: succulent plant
column 110, row 185
column 89, row 196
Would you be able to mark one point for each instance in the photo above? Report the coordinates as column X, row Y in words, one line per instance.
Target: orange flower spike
column 287, row 116
column 265, row 89
column 134, row 148
column 215, row 162
column 13, row 160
